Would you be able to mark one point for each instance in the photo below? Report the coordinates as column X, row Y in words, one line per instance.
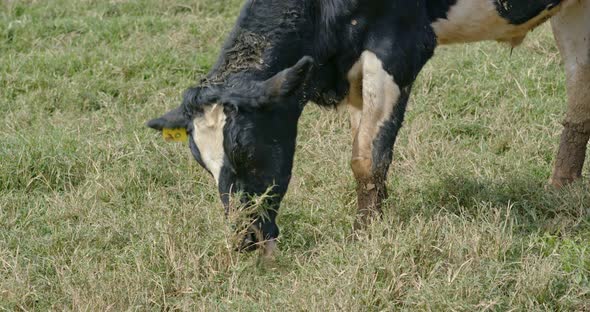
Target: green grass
column 98, row 213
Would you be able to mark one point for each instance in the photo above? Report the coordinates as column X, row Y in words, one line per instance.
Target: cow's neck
column 268, row 37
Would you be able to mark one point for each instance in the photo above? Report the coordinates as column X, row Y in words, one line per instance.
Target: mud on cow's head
column 243, row 132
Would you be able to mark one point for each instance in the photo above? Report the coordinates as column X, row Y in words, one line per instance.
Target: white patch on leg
column 208, row 136
column 372, row 99
column 479, row 20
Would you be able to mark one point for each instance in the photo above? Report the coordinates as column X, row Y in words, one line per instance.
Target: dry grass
column 97, row 213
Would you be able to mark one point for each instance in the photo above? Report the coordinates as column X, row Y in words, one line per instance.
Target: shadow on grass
column 532, row 202
column 534, row 207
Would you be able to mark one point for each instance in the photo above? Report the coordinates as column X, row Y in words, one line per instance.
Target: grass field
column 98, row 213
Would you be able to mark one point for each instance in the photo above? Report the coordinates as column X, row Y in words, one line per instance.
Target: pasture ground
column 98, row 213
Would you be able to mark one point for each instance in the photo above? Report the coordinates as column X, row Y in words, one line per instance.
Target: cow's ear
column 290, row 79
column 174, row 119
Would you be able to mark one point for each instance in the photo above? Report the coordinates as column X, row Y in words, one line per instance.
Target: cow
column 242, row 118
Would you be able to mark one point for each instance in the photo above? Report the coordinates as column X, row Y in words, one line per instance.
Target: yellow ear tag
column 175, row 135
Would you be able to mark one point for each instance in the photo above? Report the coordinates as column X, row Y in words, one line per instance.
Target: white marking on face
column 208, row 136
column 478, row 20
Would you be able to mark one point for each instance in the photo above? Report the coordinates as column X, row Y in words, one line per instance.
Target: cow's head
column 244, row 133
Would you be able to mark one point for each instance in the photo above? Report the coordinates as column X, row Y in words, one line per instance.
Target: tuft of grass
column 97, row 213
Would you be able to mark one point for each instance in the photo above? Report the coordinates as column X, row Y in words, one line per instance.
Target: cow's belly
column 479, row 20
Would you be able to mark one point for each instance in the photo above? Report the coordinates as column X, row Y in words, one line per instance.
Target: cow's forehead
column 208, row 137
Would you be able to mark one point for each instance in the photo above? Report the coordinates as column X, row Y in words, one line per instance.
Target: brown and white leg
column 571, row 28
column 372, row 102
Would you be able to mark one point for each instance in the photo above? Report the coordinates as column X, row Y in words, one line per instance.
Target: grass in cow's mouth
column 98, row 213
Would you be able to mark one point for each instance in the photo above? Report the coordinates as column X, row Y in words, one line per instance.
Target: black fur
column 518, row 12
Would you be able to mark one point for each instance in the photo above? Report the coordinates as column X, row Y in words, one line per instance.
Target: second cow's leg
column 376, row 106
column 572, row 32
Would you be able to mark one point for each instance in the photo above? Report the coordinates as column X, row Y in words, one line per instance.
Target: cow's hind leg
column 377, row 106
column 572, row 32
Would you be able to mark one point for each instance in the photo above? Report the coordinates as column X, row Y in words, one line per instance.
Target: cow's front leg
column 572, row 32
column 376, row 106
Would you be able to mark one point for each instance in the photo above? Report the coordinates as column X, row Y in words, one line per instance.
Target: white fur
column 208, row 136
column 372, row 99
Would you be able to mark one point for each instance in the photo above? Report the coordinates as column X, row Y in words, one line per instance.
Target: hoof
column 248, row 244
column 558, row 183
column 269, row 251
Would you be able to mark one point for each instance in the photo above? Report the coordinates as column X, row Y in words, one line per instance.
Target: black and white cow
column 366, row 54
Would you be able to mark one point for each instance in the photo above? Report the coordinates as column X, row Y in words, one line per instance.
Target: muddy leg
column 571, row 28
column 376, row 106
